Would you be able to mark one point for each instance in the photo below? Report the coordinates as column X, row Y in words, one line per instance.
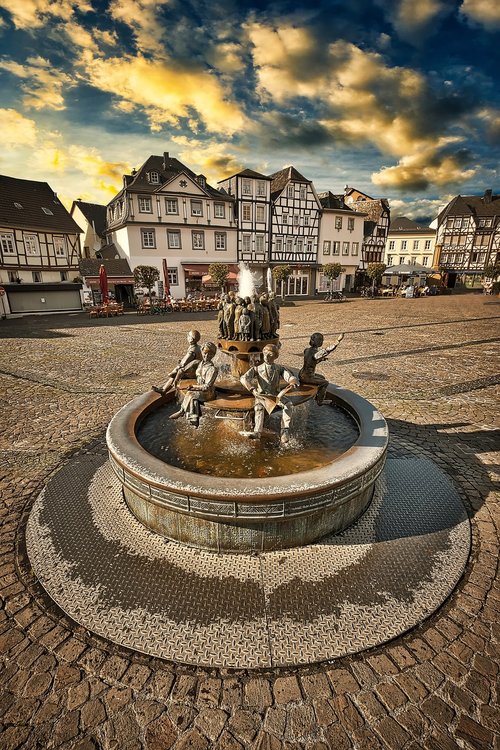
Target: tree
column 332, row 271
column 146, row 276
column 219, row 273
column 280, row 275
column 375, row 271
column 491, row 271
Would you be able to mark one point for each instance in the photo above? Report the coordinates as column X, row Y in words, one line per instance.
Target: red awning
column 111, row 279
column 231, row 277
column 201, row 269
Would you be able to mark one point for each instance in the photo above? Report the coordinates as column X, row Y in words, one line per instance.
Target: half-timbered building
column 167, row 212
column 340, row 241
column 295, row 218
column 252, row 193
column 39, row 248
column 468, row 238
column 376, row 227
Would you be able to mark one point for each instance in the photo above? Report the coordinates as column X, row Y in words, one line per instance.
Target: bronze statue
column 274, row 314
column 229, row 312
column 220, row 317
column 263, row 381
column 245, row 324
column 312, row 355
column 204, row 390
column 187, row 365
column 256, row 307
column 266, row 317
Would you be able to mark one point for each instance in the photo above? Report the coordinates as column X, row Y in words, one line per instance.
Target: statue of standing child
column 312, row 355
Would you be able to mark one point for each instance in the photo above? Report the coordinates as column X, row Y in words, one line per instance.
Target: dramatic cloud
column 166, row 92
column 431, row 166
column 43, row 85
column 16, row 130
column 141, row 16
column 32, row 14
column 421, row 210
column 484, row 12
column 490, row 119
column 214, row 160
column 415, row 19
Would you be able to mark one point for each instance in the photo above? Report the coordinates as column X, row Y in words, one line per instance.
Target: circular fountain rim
column 368, row 451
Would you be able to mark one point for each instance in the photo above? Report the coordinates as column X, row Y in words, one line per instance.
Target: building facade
column 468, row 238
column 91, row 217
column 167, row 212
column 409, row 242
column 252, row 194
column 376, row 226
column 39, row 249
column 295, row 220
column 340, row 241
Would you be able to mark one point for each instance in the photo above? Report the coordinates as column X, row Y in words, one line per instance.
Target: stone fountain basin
column 251, row 514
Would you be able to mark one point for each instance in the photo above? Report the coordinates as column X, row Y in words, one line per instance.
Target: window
column 220, row 240
column 12, row 276
column 345, row 248
column 416, row 243
column 245, row 243
column 327, row 245
column 171, row 205
column 290, row 191
column 145, row 205
column 392, row 244
column 309, row 246
column 350, row 224
column 425, row 260
column 338, row 222
column 336, row 248
column 174, row 239
column 303, row 192
column 285, row 218
column 64, row 275
column 246, row 187
column 355, row 248
column 457, row 223
column 260, row 214
column 47, row 211
column 154, row 178
column 413, row 261
column 31, row 244
column 59, row 249
column 219, row 210
column 198, row 240
column 173, row 276
column 389, row 260
column 289, row 246
column 483, row 223
column 300, row 245
column 261, row 188
column 296, row 220
column 196, row 208
column 7, row 243
column 246, row 212
column 36, row 276
column 259, row 244
column 403, row 244
column 427, row 245
column 148, row 238
column 306, row 220
column 278, row 245
column 402, row 259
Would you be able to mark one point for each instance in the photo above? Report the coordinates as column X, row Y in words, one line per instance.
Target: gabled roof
column 472, row 205
column 33, row 197
column 403, row 224
column 168, row 168
column 95, row 214
column 283, row 177
column 246, row 173
column 115, row 267
column 373, row 208
column 330, row 200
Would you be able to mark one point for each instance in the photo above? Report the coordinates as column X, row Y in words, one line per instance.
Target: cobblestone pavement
column 431, row 366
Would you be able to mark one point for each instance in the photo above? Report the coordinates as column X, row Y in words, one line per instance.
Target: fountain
column 250, row 495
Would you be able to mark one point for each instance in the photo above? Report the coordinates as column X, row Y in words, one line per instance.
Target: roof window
column 154, row 178
column 47, row 211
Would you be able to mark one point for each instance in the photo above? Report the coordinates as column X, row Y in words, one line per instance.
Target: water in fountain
column 246, row 283
column 269, row 280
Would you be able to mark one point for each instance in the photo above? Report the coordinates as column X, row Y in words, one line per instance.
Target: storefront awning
column 111, row 279
column 201, row 269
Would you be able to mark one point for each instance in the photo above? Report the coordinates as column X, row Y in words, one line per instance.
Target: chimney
column 166, row 157
column 346, row 188
column 487, row 196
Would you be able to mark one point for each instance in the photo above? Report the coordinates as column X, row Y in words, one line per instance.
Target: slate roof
column 405, row 225
column 90, row 267
column 471, row 205
column 246, row 173
column 95, row 214
column 32, row 196
column 167, row 167
column 282, row 178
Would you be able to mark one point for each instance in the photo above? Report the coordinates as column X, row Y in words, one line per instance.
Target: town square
column 430, row 365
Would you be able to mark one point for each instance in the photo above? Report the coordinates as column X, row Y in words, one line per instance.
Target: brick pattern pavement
column 436, row 687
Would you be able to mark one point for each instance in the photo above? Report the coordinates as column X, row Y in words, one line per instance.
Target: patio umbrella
column 103, row 283
column 166, row 285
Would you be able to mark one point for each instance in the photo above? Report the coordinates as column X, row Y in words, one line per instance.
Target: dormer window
column 18, row 205
column 47, row 211
column 154, row 178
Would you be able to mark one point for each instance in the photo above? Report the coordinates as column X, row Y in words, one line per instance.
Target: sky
column 398, row 98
